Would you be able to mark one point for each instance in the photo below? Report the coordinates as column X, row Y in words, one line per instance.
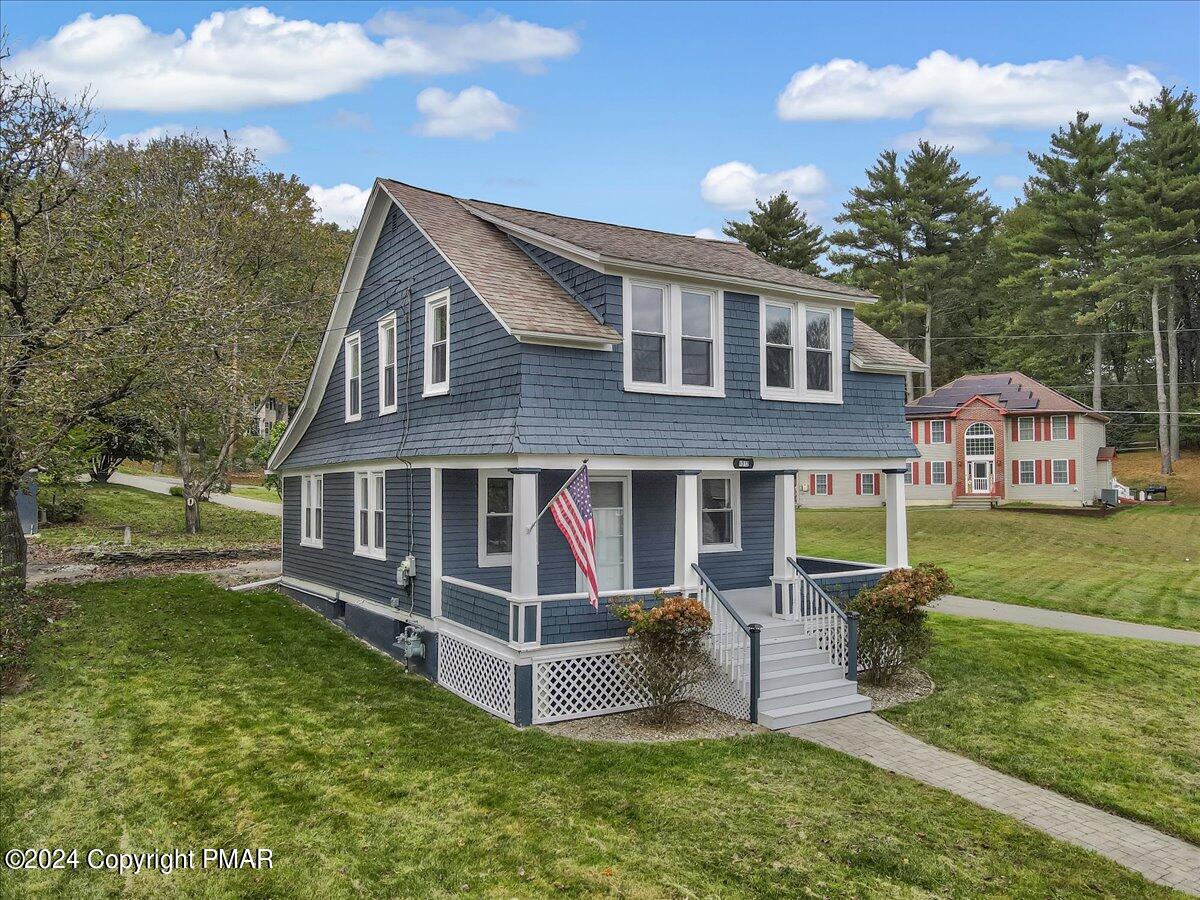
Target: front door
column 981, row 476
column 610, row 504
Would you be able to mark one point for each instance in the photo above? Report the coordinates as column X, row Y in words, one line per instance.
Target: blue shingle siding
column 475, row 609
column 653, row 529
column 556, row 565
column 815, row 565
column 843, row 587
column 476, row 416
column 334, row 563
column 567, row 621
column 752, row 565
column 460, row 531
column 600, row 293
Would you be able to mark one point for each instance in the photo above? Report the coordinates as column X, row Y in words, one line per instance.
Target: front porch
column 517, row 636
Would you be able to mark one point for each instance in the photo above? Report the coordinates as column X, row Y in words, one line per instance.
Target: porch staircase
column 972, row 503
column 799, row 684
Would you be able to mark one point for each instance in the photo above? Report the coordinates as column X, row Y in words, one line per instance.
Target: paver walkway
column 162, row 484
column 1049, row 618
column 1160, row 857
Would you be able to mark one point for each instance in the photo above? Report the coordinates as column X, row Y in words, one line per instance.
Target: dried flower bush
column 893, row 631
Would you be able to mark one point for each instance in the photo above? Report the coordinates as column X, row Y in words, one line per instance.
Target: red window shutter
column 1016, row 434
column 1070, row 471
column 812, row 485
column 916, row 470
column 949, row 472
column 1071, row 432
column 928, row 472
column 928, row 431
column 858, row 483
column 1037, row 471
column 829, row 482
column 949, row 430
column 1037, row 428
column 1016, row 475
column 879, row 477
column 913, row 426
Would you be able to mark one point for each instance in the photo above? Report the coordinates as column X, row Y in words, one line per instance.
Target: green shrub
column 893, row 631
column 669, row 648
column 61, row 505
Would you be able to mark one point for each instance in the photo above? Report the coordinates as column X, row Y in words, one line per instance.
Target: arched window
column 980, row 441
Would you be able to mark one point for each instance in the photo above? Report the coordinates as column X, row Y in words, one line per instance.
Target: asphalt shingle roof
column 873, row 347
column 1013, row 391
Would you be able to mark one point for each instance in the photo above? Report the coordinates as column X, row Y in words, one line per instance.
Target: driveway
column 162, row 484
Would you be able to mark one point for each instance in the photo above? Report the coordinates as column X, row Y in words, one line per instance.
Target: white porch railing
column 836, row 630
column 735, row 648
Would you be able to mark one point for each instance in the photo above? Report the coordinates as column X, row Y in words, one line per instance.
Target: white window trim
column 939, row 466
column 355, row 339
column 933, row 438
column 862, row 483
column 908, row 473
column 673, row 328
column 626, row 481
column 817, row 492
column 389, row 321
column 491, row 560
column 1021, row 420
column 799, row 394
column 1066, row 429
column 430, row 388
column 369, row 551
column 309, row 484
column 1066, row 479
column 1032, row 471
column 735, row 500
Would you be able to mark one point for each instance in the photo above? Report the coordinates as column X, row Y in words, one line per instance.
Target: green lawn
column 1109, row 721
column 157, row 522
column 1141, row 565
column 255, row 492
column 168, row 713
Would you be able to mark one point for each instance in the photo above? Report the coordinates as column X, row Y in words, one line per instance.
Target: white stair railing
column 735, row 646
column 836, row 630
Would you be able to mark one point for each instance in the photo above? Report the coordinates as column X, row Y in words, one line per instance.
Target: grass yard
column 167, row 713
column 157, row 522
column 1136, row 470
column 255, row 492
column 1111, row 722
column 1141, row 565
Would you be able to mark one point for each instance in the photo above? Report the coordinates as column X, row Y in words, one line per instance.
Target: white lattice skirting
column 477, row 676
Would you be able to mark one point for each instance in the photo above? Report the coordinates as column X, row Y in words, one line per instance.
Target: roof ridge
column 544, row 212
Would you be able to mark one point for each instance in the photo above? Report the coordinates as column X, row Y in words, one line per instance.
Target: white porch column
column 783, row 578
column 897, row 519
column 687, row 528
column 524, row 541
column 435, row 541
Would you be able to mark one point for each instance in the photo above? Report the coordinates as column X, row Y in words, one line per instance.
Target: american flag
column 572, row 511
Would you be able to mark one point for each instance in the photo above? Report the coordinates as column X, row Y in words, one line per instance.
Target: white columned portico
column 524, row 540
column 897, row 520
column 783, row 577
column 687, row 528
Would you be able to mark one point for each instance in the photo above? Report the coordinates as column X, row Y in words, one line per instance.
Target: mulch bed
column 694, row 722
column 908, row 687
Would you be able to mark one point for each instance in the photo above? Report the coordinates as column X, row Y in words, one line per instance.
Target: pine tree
column 1057, row 247
column 779, row 231
column 1155, row 225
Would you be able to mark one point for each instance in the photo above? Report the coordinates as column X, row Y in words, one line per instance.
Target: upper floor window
column 937, row 431
column 495, row 519
column 353, row 361
column 369, row 515
column 1058, row 428
column 800, row 350
column 673, row 339
column 1025, row 428
column 312, row 491
column 719, row 513
column 980, row 440
column 437, row 343
column 387, row 364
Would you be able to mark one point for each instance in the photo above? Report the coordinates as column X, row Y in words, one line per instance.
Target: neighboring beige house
column 985, row 439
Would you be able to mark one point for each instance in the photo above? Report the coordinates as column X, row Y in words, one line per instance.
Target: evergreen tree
column 779, row 231
column 1155, row 225
column 1057, row 245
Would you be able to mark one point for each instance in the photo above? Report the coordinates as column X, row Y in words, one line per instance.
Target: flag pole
column 582, row 466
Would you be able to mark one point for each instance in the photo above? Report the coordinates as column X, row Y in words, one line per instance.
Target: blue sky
column 665, row 116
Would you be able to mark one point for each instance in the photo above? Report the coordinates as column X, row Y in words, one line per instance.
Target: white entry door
column 610, row 506
column 981, row 475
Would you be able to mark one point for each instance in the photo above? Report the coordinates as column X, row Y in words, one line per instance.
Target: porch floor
column 755, row 606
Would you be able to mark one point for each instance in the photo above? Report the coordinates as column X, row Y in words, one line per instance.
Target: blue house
column 477, row 354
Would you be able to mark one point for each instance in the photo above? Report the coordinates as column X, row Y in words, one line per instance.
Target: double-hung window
column 369, row 515
column 673, row 339
column 312, row 501
column 1026, row 474
column 1058, row 429
column 800, row 352
column 937, row 431
column 937, row 472
column 437, row 344
column 867, row 483
column 821, row 485
column 719, row 513
column 908, row 473
column 1025, row 428
column 495, row 519
column 352, row 357
column 387, row 364
column 1060, row 471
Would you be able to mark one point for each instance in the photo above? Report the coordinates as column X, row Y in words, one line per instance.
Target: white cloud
column 342, row 203
column 262, row 139
column 251, row 57
column 959, row 92
column 736, row 185
column 473, row 112
column 965, row 140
